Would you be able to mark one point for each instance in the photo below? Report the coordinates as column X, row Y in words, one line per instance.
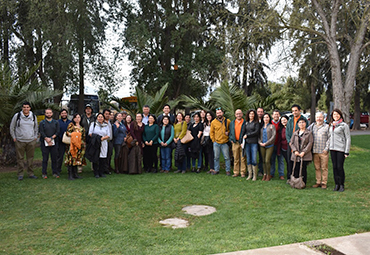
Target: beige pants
column 29, row 149
column 321, row 164
column 239, row 159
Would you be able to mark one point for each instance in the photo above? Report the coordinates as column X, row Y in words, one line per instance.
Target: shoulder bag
column 66, row 139
column 297, row 183
column 187, row 138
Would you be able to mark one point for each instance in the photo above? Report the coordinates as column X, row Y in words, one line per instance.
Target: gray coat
column 340, row 138
column 25, row 129
column 305, row 146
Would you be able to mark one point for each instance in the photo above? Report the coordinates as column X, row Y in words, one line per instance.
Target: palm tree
column 15, row 91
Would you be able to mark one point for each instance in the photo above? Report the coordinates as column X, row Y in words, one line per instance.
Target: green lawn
column 120, row 214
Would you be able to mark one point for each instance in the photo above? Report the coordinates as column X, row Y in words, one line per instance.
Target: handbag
column 297, row 183
column 205, row 140
column 129, row 140
column 187, row 138
column 66, row 139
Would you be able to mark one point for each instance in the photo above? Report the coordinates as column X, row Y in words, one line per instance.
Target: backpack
column 19, row 118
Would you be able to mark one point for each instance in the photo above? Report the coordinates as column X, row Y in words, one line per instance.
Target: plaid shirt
column 320, row 137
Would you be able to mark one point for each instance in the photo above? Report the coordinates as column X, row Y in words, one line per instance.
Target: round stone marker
column 199, row 210
column 175, row 223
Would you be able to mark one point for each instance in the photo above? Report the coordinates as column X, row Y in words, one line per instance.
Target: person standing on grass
column 291, row 127
column 301, row 144
column 119, row 136
column 266, row 141
column 280, row 159
column 283, row 143
column 150, row 139
column 236, row 139
column 63, row 124
column 260, row 113
column 203, row 156
column 208, row 145
column 107, row 119
column 196, row 130
column 146, row 113
column 220, row 136
column 188, row 123
column 76, row 150
column 339, row 146
column 49, row 133
column 180, row 129
column 320, row 132
column 165, row 139
column 250, row 134
column 87, row 118
column 166, row 112
column 24, row 131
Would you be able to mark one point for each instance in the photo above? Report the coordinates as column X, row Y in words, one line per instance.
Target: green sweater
column 151, row 133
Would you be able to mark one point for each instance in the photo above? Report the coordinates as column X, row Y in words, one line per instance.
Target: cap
column 88, row 105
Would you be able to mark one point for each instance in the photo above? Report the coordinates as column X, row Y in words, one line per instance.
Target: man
column 280, row 158
column 49, row 133
column 220, row 136
column 146, row 112
column 24, row 130
column 166, row 112
column 63, row 124
column 290, row 128
column 260, row 113
column 87, row 118
column 107, row 117
column 124, row 115
column 320, row 132
column 236, row 127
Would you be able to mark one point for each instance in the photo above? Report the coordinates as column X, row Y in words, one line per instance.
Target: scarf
column 337, row 122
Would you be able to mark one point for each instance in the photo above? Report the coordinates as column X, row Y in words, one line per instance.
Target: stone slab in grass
column 199, row 210
column 175, row 223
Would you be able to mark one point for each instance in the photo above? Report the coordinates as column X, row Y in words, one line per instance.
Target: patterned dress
column 79, row 160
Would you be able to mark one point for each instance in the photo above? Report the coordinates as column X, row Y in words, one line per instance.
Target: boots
column 268, row 178
column 74, row 173
column 70, row 173
column 336, row 188
column 249, row 172
column 255, row 170
column 264, row 177
column 341, row 188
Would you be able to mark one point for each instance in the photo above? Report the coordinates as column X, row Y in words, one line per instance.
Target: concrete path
column 361, row 132
column 358, row 244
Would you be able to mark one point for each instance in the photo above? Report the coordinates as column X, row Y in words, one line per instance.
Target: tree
column 334, row 21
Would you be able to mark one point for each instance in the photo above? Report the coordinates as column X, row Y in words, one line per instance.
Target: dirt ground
column 6, row 169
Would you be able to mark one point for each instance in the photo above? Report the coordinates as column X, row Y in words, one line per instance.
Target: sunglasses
column 218, row 108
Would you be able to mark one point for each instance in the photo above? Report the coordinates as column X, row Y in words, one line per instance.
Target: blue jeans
column 280, row 160
column 199, row 160
column 224, row 148
column 166, row 158
column 251, row 153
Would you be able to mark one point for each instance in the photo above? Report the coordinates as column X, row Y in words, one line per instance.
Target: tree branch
column 334, row 18
column 325, row 23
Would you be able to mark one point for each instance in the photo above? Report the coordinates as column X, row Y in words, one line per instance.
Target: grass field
column 119, row 214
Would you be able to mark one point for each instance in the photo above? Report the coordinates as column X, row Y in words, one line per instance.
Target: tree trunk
column 81, row 97
column 8, row 155
column 357, row 114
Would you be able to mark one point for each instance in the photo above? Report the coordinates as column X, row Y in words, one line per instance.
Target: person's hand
column 137, row 143
column 345, row 155
column 325, row 152
column 302, row 154
column 165, row 144
column 125, row 139
column 199, row 135
column 162, row 143
column 151, row 143
column 117, row 124
column 48, row 140
column 226, row 133
column 16, row 140
column 143, row 145
column 245, row 136
column 296, row 153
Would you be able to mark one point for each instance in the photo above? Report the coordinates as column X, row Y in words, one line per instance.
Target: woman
column 127, row 123
column 250, row 135
column 203, row 155
column 266, row 141
column 165, row 139
column 282, row 142
column 340, row 143
column 180, row 128
column 102, row 129
column 301, row 145
column 135, row 155
column 75, row 152
column 196, row 130
column 188, row 122
column 119, row 134
column 207, row 142
column 150, row 139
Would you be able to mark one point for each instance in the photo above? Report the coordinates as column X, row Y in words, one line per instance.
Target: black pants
column 337, row 158
column 100, row 167
column 304, row 170
column 210, row 156
column 61, row 151
column 53, row 151
column 150, row 157
column 117, row 149
column 290, row 163
column 285, row 155
column 109, row 155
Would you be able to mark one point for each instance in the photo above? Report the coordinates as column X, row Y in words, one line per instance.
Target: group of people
column 197, row 143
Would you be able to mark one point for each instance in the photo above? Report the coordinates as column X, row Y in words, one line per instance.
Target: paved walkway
column 361, row 132
column 358, row 244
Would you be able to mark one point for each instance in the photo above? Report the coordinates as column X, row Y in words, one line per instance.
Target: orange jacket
column 75, row 143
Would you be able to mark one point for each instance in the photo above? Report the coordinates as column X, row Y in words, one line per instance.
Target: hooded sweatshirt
column 25, row 129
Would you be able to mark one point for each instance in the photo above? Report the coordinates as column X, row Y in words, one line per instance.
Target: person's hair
column 136, row 126
column 166, row 117
column 167, row 105
column 182, row 115
column 63, row 110
column 130, row 117
column 106, row 110
column 187, row 114
column 213, row 117
column 146, row 106
column 320, row 112
column 255, row 115
column 261, row 108
column 197, row 114
column 26, row 103
column 276, row 110
column 152, row 115
column 267, row 115
column 337, row 111
column 280, row 124
column 48, row 109
column 296, row 105
column 115, row 116
column 99, row 113
column 74, row 116
column 205, row 113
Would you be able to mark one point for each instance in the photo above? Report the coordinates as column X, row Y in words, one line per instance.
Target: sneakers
column 20, row 178
column 323, row 186
column 44, row 176
column 215, row 172
column 32, row 177
column 56, row 176
column 228, row 173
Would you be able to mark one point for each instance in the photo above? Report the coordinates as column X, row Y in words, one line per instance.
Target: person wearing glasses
column 220, row 136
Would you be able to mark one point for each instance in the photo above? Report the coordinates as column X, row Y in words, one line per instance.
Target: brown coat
column 306, row 145
column 271, row 135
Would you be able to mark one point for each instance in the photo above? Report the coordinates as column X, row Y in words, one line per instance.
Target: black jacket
column 93, row 148
column 252, row 130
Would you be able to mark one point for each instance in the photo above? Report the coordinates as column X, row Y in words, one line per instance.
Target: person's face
column 187, row 118
column 276, row 116
column 202, row 114
column 219, row 114
column 196, row 118
column 111, row 116
column 77, row 119
column 319, row 119
column 260, row 113
column 166, row 110
column 336, row 116
column 165, row 121
column 266, row 119
column 209, row 117
column 48, row 114
column 88, row 110
column 151, row 119
column 119, row 117
column 238, row 114
column 63, row 115
column 106, row 115
column 124, row 116
column 296, row 112
column 302, row 124
column 179, row 117
column 26, row 109
column 251, row 116
column 100, row 118
column 146, row 110
column 284, row 121
column 139, row 118
column 128, row 119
